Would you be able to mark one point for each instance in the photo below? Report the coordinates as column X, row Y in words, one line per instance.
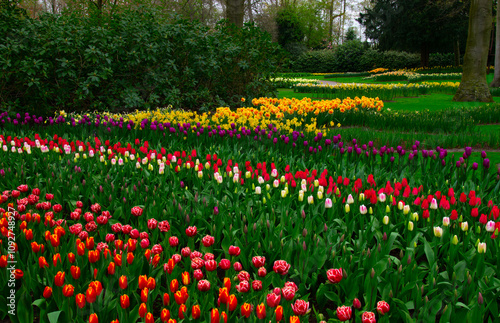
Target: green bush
column 127, row 61
column 355, row 56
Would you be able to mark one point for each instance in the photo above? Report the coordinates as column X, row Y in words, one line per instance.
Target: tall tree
column 235, row 11
column 496, row 78
column 415, row 25
column 473, row 86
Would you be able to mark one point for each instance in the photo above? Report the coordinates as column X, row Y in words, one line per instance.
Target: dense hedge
column 127, row 61
column 355, row 56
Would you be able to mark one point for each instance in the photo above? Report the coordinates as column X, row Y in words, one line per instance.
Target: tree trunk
column 473, row 86
column 235, row 11
column 496, row 77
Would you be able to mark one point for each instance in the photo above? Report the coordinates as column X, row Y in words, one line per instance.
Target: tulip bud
column 385, row 221
column 347, row 208
column 387, row 209
column 410, row 226
column 372, row 273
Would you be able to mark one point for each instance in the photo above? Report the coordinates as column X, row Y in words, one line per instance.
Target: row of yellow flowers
column 285, row 114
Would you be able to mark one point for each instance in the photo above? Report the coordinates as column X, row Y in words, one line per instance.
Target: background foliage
column 133, row 59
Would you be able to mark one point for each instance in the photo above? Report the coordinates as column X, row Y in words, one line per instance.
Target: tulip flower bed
column 208, row 224
column 382, row 91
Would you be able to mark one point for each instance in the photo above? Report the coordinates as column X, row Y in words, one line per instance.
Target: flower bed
column 268, row 226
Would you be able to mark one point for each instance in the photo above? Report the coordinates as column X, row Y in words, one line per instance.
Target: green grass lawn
column 432, row 102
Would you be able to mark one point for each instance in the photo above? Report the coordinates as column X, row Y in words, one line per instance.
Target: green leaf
column 54, row 316
column 429, row 253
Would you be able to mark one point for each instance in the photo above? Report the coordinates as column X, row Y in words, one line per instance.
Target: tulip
column 438, row 232
column 362, row 209
column 278, row 313
column 328, row 203
column 165, row 315
column 410, row 226
column 195, row 312
column 347, row 208
column 182, row 310
column 142, row 310
column 214, row 315
column 481, row 247
column 59, row 278
column 294, row 319
column 150, row 318
column 464, row 226
column 383, row 307
column 368, row 317
column 261, row 311
column 124, row 301
column 122, row 282
column 300, row 307
column 68, row 290
column 490, row 226
column 344, row 313
column 47, row 292
column 334, row 275
column 246, row 310
column 80, row 300
column 385, row 220
column 93, row 318
column 454, row 240
column 232, row 302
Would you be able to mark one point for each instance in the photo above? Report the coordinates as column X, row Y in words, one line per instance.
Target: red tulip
column 246, row 310
column 195, row 312
column 334, row 275
column 261, row 311
column 174, row 285
column 68, row 290
column 214, row 315
column 383, row 307
column 165, row 315
column 232, row 302
column 368, row 317
column 47, row 292
column 142, row 310
column 150, row 318
column 75, row 272
column 80, row 300
column 182, row 310
column 124, row 301
column 344, row 313
column 59, row 278
column 93, row 318
column 122, row 282
column 279, row 313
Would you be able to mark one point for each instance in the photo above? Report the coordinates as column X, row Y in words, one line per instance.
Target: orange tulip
column 124, row 301
column 111, row 268
column 130, row 258
column 93, row 256
column 151, row 283
column 89, row 243
column 165, row 315
column 71, row 258
column 54, row 240
column 118, row 244
column 55, row 258
column 68, row 290
column 155, row 261
column 195, row 312
column 214, row 315
column 182, row 310
column 246, row 310
column 75, row 272
column 93, row 318
column 80, row 249
column 80, row 300
column 261, row 311
column 42, row 262
column 294, row 319
column 59, row 278
column 169, row 266
column 223, row 295
column 35, row 247
column 47, row 292
column 122, row 282
column 118, row 260
column 166, row 299
column 97, row 286
column 142, row 310
column 186, row 279
column 227, row 283
column 224, row 316
column 232, row 302
column 143, row 281
column 144, row 295
column 279, row 313
column 174, row 285
column 131, row 244
column 91, row 295
column 147, row 254
column 28, row 234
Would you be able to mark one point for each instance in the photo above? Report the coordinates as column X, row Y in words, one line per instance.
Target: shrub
column 129, row 60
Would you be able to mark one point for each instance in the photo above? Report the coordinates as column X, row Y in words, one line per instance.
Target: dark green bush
column 129, row 60
column 355, row 56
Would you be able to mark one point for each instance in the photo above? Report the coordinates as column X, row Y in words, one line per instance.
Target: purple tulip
column 468, row 151
column 475, row 166
column 486, row 163
column 483, row 154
